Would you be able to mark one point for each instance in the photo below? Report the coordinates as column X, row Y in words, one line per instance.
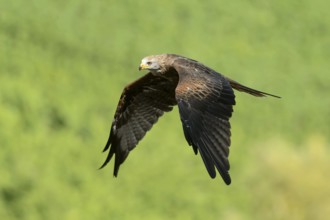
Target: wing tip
column 104, row 164
column 107, row 145
column 115, row 171
column 108, row 157
column 116, row 168
column 226, row 179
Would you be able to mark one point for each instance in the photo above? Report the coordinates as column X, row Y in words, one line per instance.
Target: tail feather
column 241, row 88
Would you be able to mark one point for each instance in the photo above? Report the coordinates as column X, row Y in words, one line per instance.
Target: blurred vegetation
column 63, row 65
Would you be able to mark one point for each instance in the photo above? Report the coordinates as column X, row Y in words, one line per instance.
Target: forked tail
column 241, row 88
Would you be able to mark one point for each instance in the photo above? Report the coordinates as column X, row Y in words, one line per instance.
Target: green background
column 64, row 63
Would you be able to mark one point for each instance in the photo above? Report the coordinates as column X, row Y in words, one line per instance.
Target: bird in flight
column 205, row 99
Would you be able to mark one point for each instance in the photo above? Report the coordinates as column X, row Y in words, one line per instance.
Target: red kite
column 205, row 100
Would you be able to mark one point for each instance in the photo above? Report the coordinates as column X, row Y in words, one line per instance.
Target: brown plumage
column 205, row 99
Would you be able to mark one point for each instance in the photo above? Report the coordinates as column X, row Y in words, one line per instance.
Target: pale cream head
column 154, row 63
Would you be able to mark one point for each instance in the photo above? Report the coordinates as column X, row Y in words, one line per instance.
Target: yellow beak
column 143, row 66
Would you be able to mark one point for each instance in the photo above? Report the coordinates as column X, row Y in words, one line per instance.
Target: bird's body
column 205, row 100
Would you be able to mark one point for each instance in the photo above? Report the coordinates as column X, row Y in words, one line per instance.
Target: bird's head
column 152, row 63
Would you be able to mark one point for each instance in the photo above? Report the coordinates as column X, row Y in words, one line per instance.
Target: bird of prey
column 205, row 99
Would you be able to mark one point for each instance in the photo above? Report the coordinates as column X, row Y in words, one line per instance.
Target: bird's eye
column 149, row 63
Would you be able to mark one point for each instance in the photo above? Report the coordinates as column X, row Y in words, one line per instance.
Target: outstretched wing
column 205, row 100
column 139, row 107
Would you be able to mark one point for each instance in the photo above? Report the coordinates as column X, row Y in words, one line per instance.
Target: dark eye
column 149, row 63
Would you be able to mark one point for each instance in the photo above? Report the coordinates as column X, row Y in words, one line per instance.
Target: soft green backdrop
column 63, row 64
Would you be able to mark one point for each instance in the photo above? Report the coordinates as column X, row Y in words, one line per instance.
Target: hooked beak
column 143, row 66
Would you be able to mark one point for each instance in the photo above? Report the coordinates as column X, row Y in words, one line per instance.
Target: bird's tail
column 241, row 88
